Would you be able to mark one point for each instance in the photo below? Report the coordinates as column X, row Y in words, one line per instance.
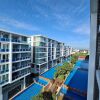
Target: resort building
column 46, row 53
column 94, row 63
column 15, row 60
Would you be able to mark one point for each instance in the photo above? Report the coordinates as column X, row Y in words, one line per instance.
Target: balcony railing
column 18, row 41
column 4, row 60
column 15, row 40
column 4, row 39
column 4, row 71
column 4, row 50
column 20, row 75
column 22, row 58
column 4, row 81
column 17, row 50
column 19, row 67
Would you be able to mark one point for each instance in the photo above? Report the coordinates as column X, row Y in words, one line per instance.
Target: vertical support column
column 39, row 69
column 99, row 63
column 92, row 58
column 62, row 51
column 10, row 59
column 1, row 94
column 51, row 52
column 1, row 45
column 52, row 63
column 24, row 83
column 56, row 51
column 32, row 46
column 47, row 53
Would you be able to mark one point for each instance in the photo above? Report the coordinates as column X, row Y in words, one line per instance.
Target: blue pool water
column 50, row 73
column 27, row 94
column 41, row 81
column 82, row 64
column 78, row 77
column 78, row 63
column 79, row 80
column 72, row 73
column 71, row 95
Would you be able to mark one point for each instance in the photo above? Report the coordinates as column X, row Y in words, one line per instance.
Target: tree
column 38, row 97
column 63, row 70
column 45, row 96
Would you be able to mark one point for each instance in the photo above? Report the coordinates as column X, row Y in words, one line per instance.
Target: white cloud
column 18, row 24
column 83, row 29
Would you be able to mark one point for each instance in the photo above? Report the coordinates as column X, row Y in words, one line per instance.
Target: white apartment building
column 15, row 59
column 69, row 50
column 46, row 53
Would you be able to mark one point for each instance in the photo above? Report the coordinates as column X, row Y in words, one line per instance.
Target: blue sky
column 64, row 20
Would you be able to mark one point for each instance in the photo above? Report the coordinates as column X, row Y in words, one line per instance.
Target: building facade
column 15, row 60
column 46, row 53
column 94, row 59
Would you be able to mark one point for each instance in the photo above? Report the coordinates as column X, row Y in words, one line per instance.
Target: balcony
column 41, row 39
column 4, row 81
column 40, row 61
column 18, row 59
column 4, row 39
column 18, row 41
column 19, row 74
column 25, row 49
column 40, row 44
column 4, row 60
column 4, row 50
column 23, row 41
column 40, row 56
column 14, row 68
column 15, row 40
column 17, row 50
column 4, row 71
column 41, row 49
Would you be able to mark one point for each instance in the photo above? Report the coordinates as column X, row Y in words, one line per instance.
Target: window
column 0, row 79
column 6, row 77
column 3, row 67
column 3, row 56
column 0, row 68
column 4, row 46
column 6, row 66
column 3, row 77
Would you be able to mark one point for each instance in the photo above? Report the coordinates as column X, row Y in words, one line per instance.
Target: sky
column 67, row 21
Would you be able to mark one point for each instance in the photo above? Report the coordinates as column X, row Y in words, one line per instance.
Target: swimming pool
column 70, row 94
column 78, row 77
column 41, row 81
column 79, row 80
column 72, row 73
column 50, row 73
column 27, row 94
column 82, row 64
